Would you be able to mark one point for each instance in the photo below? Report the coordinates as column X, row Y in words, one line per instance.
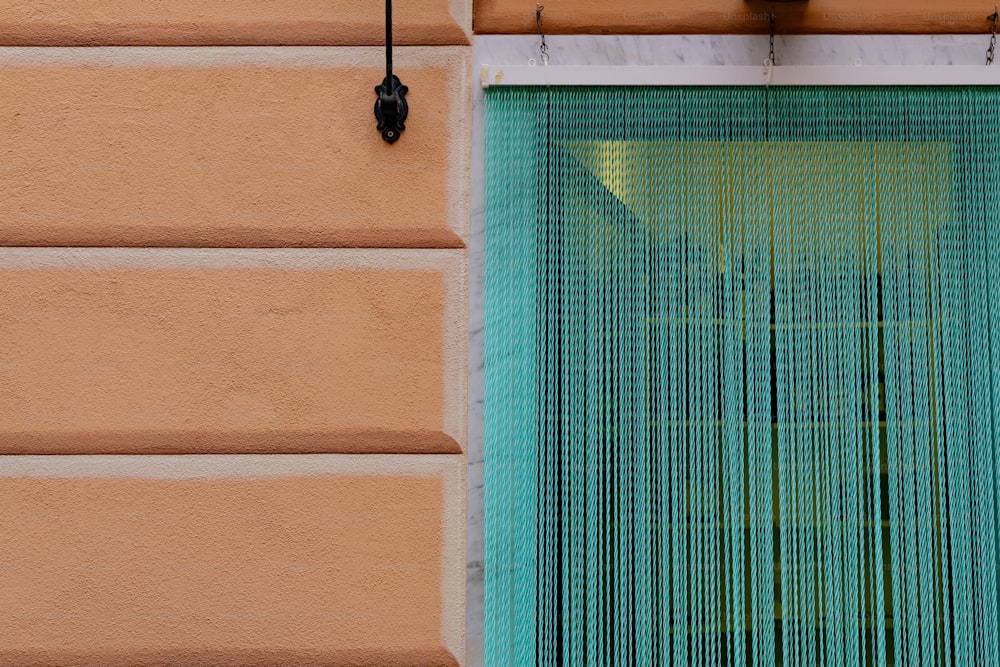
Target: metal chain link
column 991, row 52
column 771, row 56
column 543, row 48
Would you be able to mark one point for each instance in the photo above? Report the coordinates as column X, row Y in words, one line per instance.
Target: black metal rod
column 388, row 45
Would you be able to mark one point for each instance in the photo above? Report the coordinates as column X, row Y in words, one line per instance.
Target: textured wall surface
column 233, row 334
column 231, row 22
column 245, row 147
column 735, row 16
column 213, row 351
column 230, row 560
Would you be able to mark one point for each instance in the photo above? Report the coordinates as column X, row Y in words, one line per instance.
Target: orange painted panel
column 230, row 22
column 734, row 16
column 332, row 569
column 215, row 147
column 230, row 351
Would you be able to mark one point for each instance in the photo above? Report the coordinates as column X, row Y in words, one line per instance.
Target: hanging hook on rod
column 771, row 59
column 770, row 62
column 992, row 51
column 390, row 104
column 772, row 19
column 543, row 48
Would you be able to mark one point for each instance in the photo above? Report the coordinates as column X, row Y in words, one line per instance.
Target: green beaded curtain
column 742, row 376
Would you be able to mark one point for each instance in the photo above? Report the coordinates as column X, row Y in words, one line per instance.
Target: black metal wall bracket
column 390, row 101
column 391, row 108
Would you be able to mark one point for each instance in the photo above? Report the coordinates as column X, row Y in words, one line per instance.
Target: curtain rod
column 861, row 75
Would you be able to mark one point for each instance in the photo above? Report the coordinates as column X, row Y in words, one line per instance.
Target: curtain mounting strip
column 589, row 75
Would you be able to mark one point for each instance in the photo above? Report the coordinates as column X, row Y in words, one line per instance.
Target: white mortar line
column 405, row 57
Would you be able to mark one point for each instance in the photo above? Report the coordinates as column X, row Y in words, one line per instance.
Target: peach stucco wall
column 221, row 147
column 215, row 351
column 735, row 16
column 284, row 568
column 232, row 334
column 231, row 560
column 231, row 22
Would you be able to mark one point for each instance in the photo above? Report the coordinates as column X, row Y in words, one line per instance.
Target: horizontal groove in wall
column 223, row 466
column 283, row 57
